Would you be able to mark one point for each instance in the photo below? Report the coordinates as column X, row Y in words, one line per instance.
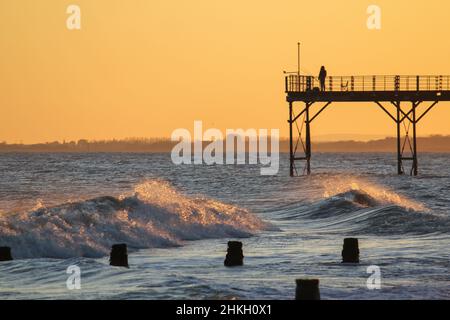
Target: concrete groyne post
column 307, row 289
column 350, row 252
column 119, row 255
column 5, row 254
column 235, row 255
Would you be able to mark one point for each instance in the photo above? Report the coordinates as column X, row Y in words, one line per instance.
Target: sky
column 143, row 68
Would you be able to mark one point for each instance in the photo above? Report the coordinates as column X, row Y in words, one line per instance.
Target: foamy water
column 58, row 210
column 156, row 215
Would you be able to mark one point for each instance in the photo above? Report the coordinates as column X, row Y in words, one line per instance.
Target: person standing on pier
column 322, row 77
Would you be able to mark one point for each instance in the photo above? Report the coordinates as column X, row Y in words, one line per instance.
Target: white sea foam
column 157, row 215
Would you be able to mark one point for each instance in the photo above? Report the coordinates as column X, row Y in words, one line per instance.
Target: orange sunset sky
column 142, row 68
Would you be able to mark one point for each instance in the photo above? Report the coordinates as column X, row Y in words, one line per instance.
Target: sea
column 60, row 211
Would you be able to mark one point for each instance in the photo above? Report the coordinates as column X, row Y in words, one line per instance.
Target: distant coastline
column 435, row 143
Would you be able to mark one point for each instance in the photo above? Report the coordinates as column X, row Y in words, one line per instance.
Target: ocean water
column 58, row 210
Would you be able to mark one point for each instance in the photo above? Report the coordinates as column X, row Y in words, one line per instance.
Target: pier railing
column 296, row 83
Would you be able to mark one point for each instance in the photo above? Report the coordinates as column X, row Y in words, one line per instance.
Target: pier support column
column 307, row 140
column 291, row 147
column 399, row 146
column 409, row 121
column 302, row 122
column 414, row 122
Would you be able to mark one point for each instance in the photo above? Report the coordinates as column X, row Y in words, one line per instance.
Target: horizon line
column 168, row 139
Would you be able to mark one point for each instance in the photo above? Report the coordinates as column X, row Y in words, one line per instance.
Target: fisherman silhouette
column 322, row 76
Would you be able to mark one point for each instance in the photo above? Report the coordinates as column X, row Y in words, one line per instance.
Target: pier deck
column 396, row 90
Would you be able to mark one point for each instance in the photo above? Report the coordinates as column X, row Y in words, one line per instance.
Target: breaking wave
column 157, row 215
column 367, row 194
column 365, row 208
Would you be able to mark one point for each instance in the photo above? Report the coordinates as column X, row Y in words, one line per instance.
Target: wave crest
column 353, row 206
column 368, row 194
column 157, row 215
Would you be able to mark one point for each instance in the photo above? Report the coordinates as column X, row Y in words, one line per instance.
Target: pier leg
column 291, row 150
column 308, row 141
column 304, row 136
column 415, row 164
column 399, row 147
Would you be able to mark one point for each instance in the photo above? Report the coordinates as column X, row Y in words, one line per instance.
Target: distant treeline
column 434, row 143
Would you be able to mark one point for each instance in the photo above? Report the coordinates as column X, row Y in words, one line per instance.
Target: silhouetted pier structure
column 382, row 90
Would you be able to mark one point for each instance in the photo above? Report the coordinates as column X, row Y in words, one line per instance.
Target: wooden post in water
column 5, row 254
column 235, row 255
column 350, row 252
column 307, row 289
column 119, row 255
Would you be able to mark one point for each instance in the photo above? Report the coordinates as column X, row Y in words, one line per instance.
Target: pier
column 405, row 99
